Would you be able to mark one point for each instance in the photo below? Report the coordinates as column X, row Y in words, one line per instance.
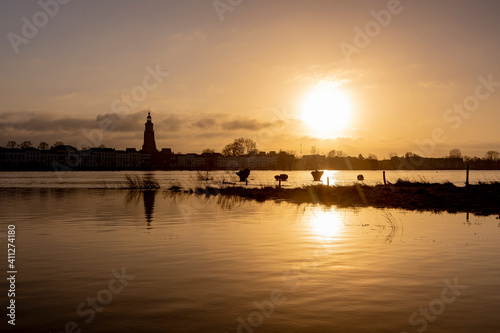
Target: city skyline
column 417, row 76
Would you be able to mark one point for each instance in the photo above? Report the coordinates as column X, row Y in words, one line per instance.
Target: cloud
column 204, row 123
column 31, row 121
column 249, row 124
column 133, row 122
column 172, row 123
column 120, row 122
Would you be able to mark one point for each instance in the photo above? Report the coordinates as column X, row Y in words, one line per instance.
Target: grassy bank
column 481, row 199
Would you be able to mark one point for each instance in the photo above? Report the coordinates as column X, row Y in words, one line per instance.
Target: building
column 149, row 144
column 66, row 158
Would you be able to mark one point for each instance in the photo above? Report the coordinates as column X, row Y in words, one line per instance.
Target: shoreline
column 480, row 199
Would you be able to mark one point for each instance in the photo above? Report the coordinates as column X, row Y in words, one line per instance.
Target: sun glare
column 326, row 224
column 326, row 110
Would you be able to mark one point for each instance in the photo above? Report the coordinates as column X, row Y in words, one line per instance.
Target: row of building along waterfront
column 67, row 157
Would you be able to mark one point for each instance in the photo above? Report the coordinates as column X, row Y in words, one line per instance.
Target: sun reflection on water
column 327, row 224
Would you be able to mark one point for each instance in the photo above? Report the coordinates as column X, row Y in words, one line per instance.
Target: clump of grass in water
column 137, row 182
column 175, row 188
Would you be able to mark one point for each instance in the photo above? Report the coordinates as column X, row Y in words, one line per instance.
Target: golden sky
column 420, row 76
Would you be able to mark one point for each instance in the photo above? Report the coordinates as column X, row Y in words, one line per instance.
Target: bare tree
column 336, row 153
column 11, row 144
column 43, row 145
column 26, row 145
column 233, row 149
column 239, row 147
column 58, row 143
column 208, row 151
column 392, row 155
column 492, row 155
column 372, row 157
column 411, row 155
column 249, row 144
column 455, row 153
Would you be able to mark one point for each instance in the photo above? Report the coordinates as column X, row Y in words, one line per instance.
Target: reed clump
column 481, row 199
column 136, row 182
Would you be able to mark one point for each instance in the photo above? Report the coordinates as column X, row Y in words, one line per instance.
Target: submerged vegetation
column 136, row 182
column 481, row 199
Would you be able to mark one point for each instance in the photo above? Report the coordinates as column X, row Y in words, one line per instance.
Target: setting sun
column 326, row 110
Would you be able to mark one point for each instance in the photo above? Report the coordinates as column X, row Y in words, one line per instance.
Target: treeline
column 28, row 144
column 244, row 151
column 337, row 160
column 398, row 163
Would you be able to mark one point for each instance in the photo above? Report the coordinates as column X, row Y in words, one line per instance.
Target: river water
column 113, row 260
column 192, row 179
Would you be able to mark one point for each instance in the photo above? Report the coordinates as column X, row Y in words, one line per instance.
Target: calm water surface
column 190, row 179
column 198, row 264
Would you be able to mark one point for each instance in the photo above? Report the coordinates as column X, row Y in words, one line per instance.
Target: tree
column 43, row 145
column 455, row 153
column 58, row 143
column 336, row 153
column 492, row 155
column 361, row 157
column 315, row 157
column 249, row 144
column 411, row 155
column 208, row 151
column 392, row 155
column 233, row 149
column 11, row 144
column 372, row 157
column 239, row 147
column 26, row 145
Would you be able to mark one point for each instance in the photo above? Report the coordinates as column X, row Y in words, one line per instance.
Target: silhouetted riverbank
column 481, row 199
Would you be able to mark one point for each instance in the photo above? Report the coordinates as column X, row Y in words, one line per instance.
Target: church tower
column 149, row 145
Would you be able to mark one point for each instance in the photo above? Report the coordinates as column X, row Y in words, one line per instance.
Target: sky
column 418, row 76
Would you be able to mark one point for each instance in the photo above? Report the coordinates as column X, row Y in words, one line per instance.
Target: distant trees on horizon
column 242, row 146
column 28, row 144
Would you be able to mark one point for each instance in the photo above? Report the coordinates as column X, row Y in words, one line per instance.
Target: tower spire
column 149, row 145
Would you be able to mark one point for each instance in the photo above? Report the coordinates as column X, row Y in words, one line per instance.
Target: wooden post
column 467, row 178
column 385, row 182
column 279, row 183
column 327, row 181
